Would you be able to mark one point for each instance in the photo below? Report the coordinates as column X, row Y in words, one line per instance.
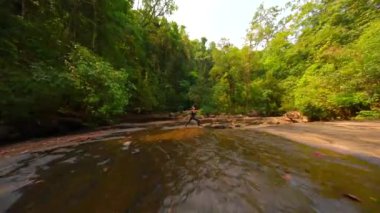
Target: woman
column 193, row 112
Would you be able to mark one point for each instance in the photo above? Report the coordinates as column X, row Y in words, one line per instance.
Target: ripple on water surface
column 189, row 169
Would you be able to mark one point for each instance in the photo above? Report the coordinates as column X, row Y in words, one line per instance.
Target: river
column 189, row 170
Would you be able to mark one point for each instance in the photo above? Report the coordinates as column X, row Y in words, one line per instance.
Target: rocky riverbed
column 165, row 167
column 360, row 139
column 123, row 129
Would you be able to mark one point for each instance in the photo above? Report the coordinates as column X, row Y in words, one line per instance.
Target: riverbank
column 103, row 133
column 361, row 139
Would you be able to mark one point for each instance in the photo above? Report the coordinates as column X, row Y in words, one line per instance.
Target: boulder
column 305, row 119
column 238, row 125
column 293, row 115
column 253, row 114
column 220, row 126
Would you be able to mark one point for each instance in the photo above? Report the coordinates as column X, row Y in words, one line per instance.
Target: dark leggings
column 194, row 118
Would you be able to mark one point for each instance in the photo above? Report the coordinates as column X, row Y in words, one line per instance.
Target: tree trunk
column 23, row 8
column 94, row 29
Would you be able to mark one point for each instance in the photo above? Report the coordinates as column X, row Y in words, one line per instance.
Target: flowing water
column 189, row 170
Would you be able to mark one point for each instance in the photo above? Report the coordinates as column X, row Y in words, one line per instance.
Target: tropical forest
column 101, row 96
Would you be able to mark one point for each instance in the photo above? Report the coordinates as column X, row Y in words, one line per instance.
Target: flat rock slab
column 361, row 139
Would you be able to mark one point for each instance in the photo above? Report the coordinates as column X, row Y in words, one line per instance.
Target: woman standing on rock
column 193, row 112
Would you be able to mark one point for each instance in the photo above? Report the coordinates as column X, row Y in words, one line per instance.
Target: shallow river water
column 189, row 170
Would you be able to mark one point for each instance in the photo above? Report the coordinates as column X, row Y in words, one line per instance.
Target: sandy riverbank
column 361, row 139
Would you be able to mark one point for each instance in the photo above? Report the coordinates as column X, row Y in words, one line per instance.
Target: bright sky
column 215, row 19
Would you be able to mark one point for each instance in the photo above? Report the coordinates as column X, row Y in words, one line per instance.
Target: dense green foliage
column 98, row 59
column 91, row 60
column 322, row 59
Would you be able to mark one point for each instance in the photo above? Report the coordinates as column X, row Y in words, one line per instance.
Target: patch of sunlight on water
column 173, row 135
column 187, row 170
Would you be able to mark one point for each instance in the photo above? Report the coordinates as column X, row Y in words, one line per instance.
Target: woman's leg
column 198, row 121
column 188, row 121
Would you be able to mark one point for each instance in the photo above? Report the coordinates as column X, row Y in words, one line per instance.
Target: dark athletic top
column 193, row 112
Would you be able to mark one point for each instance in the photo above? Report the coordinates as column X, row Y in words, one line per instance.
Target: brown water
column 189, row 170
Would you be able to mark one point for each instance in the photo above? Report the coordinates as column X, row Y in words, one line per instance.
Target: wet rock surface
column 176, row 169
column 119, row 130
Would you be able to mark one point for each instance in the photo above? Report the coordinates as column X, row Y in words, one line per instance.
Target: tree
column 263, row 26
column 153, row 9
